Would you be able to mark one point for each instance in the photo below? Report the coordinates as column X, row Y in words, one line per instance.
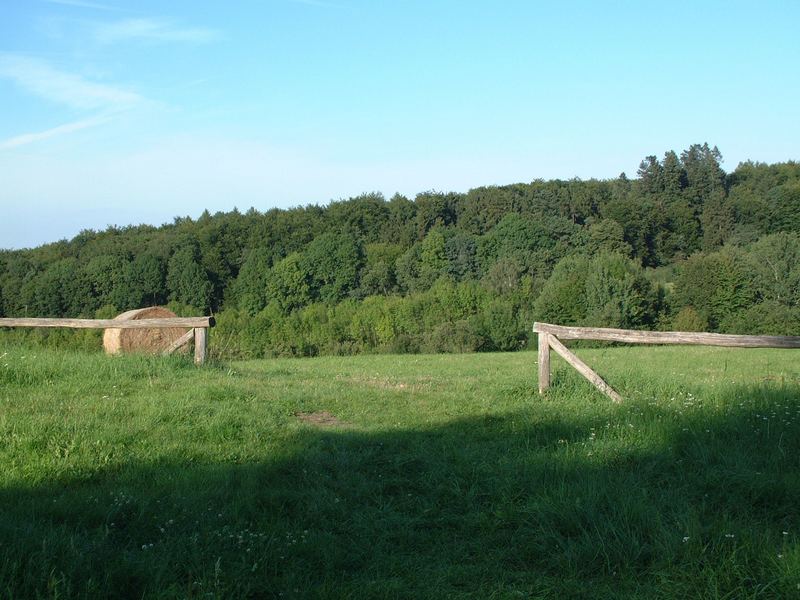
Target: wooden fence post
column 584, row 369
column 544, row 362
column 200, row 343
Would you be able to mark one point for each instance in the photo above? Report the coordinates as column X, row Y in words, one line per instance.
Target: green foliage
column 61, row 289
column 679, row 232
column 483, row 208
column 503, row 277
column 534, row 243
column 784, row 207
column 434, row 209
column 765, row 318
column 775, row 263
column 251, row 287
column 333, row 262
column 704, row 175
column 105, row 274
column 432, row 257
column 716, row 285
column 607, row 235
column 688, row 319
column 423, row 263
column 561, row 299
column 617, row 294
column 718, row 222
column 379, row 276
column 460, row 250
column 143, row 283
column 289, row 285
column 187, row 280
column 366, row 274
column 607, row 290
column 367, row 216
column 499, row 325
column 640, row 219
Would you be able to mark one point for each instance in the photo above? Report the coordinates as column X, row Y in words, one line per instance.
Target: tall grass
column 444, row 476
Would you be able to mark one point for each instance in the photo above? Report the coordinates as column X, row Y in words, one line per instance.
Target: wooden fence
column 550, row 336
column 198, row 328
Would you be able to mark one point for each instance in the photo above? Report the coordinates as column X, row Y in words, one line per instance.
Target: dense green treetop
column 683, row 243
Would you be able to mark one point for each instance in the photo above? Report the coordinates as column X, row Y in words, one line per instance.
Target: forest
column 682, row 246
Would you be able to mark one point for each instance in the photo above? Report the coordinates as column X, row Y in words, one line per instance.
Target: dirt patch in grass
column 321, row 418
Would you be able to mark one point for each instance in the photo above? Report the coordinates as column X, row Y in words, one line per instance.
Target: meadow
column 413, row 476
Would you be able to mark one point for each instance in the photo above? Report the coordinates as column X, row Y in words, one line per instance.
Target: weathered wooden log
column 182, row 322
column 667, row 337
column 200, row 343
column 544, row 362
column 181, row 341
column 584, row 369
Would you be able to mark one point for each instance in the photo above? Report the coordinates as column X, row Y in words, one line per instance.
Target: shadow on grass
column 642, row 502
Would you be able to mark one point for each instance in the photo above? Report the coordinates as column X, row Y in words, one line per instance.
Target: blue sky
column 118, row 112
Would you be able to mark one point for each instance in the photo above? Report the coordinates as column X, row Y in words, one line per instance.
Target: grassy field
column 400, row 477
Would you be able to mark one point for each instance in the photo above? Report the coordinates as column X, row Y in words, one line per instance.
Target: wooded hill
column 684, row 246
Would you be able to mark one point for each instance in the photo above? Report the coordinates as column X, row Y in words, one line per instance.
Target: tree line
column 683, row 245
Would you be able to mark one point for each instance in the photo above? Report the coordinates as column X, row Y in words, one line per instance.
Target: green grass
column 449, row 477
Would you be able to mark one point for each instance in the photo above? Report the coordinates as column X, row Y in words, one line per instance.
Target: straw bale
column 146, row 341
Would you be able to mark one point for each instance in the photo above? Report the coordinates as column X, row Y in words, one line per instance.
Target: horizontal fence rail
column 668, row 337
column 550, row 335
column 165, row 323
column 197, row 328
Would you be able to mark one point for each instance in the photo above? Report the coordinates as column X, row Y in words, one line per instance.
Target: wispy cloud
column 29, row 138
column 41, row 79
column 152, row 30
column 82, row 4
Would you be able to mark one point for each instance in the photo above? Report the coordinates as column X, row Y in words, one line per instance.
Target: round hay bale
column 146, row 341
